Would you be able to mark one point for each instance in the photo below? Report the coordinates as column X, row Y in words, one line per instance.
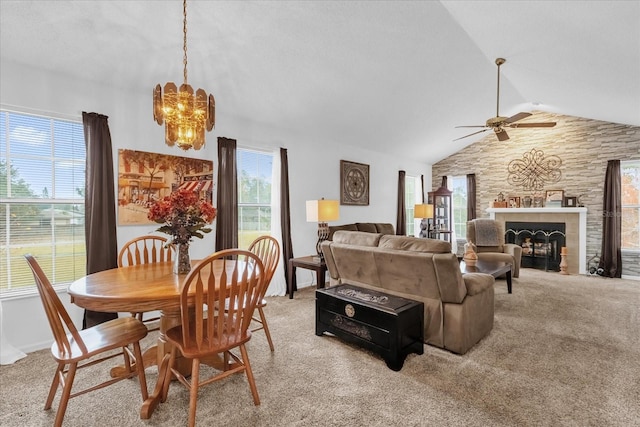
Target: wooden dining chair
column 268, row 250
column 72, row 349
column 208, row 329
column 145, row 250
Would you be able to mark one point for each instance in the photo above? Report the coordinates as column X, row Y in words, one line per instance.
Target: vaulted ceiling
column 384, row 75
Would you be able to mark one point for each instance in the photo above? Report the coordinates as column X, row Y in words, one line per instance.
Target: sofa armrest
column 516, row 252
column 513, row 250
column 477, row 283
column 329, row 261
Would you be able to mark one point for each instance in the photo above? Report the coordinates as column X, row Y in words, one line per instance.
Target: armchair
column 488, row 237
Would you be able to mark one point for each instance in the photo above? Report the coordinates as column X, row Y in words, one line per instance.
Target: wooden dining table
column 139, row 288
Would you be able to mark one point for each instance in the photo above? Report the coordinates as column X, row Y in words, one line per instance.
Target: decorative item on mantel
column 186, row 116
column 470, row 257
column 184, row 216
column 538, row 200
column 500, row 202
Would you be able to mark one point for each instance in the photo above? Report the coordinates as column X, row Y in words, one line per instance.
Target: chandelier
column 186, row 116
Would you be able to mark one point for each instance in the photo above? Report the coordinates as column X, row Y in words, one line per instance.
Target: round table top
column 137, row 288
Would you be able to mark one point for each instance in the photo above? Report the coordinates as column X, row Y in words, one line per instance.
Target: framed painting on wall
column 354, row 183
column 144, row 178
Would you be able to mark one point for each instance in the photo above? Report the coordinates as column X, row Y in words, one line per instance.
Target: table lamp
column 424, row 211
column 322, row 211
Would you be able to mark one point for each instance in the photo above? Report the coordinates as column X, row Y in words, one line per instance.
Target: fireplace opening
column 541, row 243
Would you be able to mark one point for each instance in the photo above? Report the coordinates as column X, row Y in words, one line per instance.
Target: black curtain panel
column 99, row 205
column 401, row 223
column 422, row 185
column 227, row 200
column 285, row 213
column 611, row 259
column 471, row 196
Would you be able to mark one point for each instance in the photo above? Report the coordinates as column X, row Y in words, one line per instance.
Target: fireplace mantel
column 577, row 245
column 582, row 211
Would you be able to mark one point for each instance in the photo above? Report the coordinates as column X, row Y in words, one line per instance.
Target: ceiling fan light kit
column 499, row 123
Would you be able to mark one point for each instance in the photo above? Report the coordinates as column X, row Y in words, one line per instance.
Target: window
column 42, row 164
column 630, row 171
column 459, row 202
column 412, row 196
column 254, row 195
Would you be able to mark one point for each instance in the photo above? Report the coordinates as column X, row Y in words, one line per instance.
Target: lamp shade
column 323, row 210
column 423, row 211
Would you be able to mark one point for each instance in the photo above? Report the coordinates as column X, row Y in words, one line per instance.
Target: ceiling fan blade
column 480, row 131
column 478, row 126
column 533, row 125
column 517, row 117
column 502, row 135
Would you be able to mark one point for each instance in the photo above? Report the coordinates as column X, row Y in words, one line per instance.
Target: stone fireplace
column 574, row 219
column 541, row 243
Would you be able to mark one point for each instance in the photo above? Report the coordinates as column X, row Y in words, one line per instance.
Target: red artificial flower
column 183, row 215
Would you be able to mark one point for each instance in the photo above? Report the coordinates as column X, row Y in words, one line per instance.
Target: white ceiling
column 386, row 75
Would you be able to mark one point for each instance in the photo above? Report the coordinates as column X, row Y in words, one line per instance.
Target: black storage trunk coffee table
column 388, row 325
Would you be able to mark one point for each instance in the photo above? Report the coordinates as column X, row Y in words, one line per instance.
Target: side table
column 310, row 263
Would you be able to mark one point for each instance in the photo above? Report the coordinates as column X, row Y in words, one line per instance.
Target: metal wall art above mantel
column 534, row 170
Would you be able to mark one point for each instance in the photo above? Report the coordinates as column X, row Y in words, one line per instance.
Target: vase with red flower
column 183, row 216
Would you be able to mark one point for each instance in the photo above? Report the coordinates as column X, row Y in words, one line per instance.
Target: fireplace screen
column 538, row 249
column 540, row 242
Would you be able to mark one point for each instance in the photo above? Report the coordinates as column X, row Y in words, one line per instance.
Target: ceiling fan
column 498, row 123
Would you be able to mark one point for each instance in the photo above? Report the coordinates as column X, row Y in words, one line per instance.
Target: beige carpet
column 564, row 351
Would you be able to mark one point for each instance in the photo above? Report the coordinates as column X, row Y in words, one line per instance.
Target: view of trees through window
column 412, row 196
column 254, row 195
column 42, row 163
column 459, row 202
column 630, row 180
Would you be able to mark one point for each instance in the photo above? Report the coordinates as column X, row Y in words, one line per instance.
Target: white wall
column 314, row 168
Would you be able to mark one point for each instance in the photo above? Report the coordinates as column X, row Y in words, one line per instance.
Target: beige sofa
column 458, row 310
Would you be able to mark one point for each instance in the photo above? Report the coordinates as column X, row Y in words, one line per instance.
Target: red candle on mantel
column 563, row 251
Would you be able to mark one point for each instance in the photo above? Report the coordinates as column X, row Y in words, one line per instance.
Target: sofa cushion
column 415, row 244
column 334, row 228
column 410, row 273
column 357, row 238
column 369, row 227
column 355, row 263
column 385, row 228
